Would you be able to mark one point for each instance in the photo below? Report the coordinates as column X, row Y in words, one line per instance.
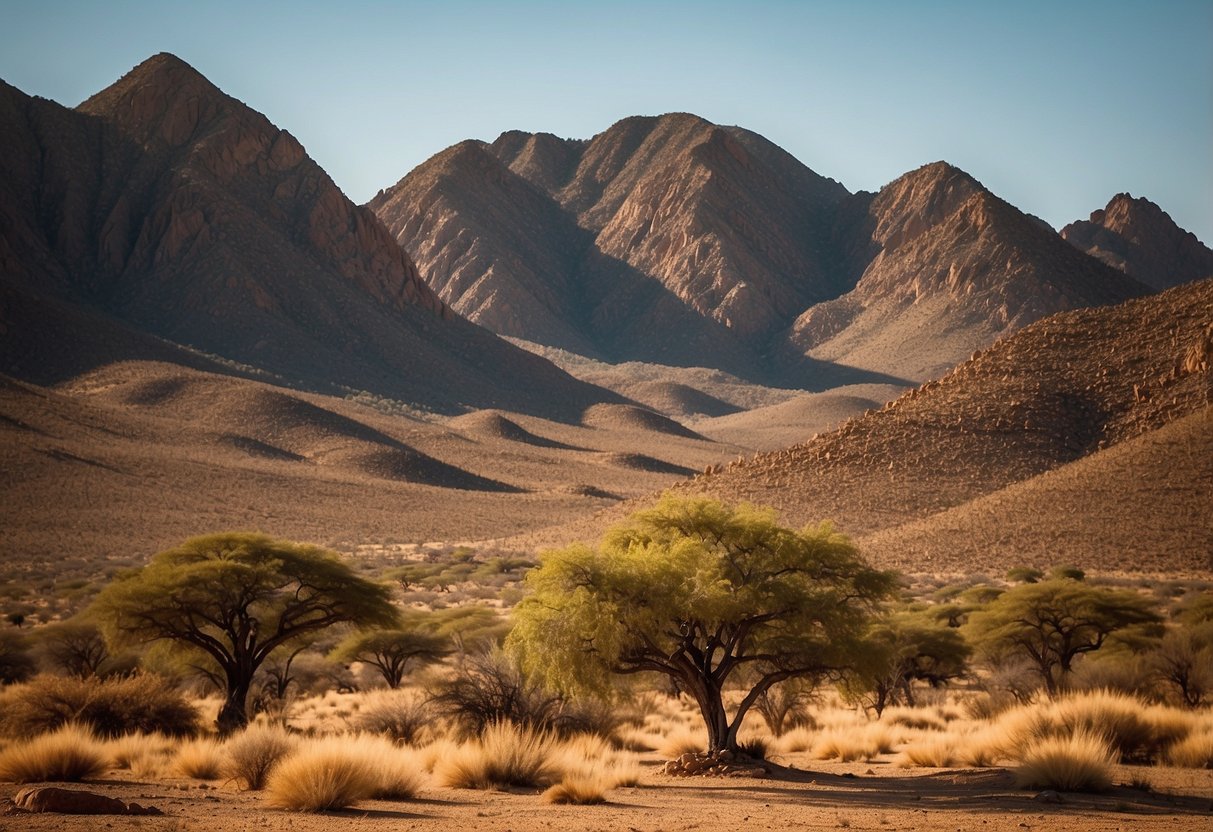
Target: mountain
column 942, row 268
column 664, row 239
column 1141, row 239
column 164, row 207
column 1057, row 392
column 673, row 240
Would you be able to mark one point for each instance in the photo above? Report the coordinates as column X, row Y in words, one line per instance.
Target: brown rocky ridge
column 1139, row 238
column 1122, row 392
column 164, row 206
column 676, row 241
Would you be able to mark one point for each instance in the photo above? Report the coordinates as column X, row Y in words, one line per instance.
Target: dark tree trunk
column 233, row 716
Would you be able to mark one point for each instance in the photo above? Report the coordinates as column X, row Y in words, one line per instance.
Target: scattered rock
column 1048, row 796
column 75, row 802
column 715, row 764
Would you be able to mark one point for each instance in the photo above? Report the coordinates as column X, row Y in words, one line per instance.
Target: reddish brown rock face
column 1140, row 239
column 180, row 211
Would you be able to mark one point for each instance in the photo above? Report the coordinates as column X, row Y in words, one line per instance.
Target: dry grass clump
column 1081, row 762
column 504, row 755
column 795, row 741
column 327, row 774
column 582, row 791
column 858, row 743
column 69, row 754
column 252, row 755
column 681, row 741
column 200, row 759
column 919, row 719
column 637, row 739
column 142, row 703
column 1194, row 750
column 399, row 715
column 935, row 752
column 397, row 769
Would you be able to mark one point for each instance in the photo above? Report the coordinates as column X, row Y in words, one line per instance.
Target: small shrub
column 253, row 754
column 505, row 755
column 322, row 776
column 69, row 754
column 200, row 759
column 915, row 718
column 935, row 752
column 683, row 741
column 396, row 715
column 754, row 746
column 142, row 703
column 1194, row 751
column 795, row 741
column 581, row 791
column 1081, row 762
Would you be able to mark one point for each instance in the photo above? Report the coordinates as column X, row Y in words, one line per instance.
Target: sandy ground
column 859, row 796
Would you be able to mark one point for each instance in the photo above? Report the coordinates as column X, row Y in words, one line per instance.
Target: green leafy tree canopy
column 1053, row 622
column 237, row 597
column 705, row 594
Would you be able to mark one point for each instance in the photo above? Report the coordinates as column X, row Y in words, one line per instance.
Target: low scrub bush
column 142, row 703
column 579, row 790
column 336, row 772
column 68, row 754
column 1194, row 751
column 253, row 754
column 200, row 759
column 397, row 715
column 504, row 755
column 1081, row 762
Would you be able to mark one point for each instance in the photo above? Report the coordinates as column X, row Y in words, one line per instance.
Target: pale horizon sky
column 1054, row 106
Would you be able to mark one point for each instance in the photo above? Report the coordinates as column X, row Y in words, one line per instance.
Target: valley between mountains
column 525, row 337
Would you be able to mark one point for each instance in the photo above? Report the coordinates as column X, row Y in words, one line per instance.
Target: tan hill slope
column 133, row 457
column 167, row 205
column 1143, row 505
column 1053, row 393
column 1139, row 238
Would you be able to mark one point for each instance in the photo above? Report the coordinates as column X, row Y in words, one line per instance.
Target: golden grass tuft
column 200, row 759
column 795, row 741
column 504, row 755
column 858, row 743
column 683, row 741
column 324, row 775
column 1081, row 762
column 1194, row 751
column 252, row 754
column 578, row 790
column 921, row 719
column 69, row 754
column 933, row 752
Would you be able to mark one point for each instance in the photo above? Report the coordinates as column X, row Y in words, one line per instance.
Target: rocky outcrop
column 944, row 267
column 1139, row 238
column 75, row 802
column 180, row 211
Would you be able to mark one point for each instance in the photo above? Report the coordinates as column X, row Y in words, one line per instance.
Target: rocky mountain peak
column 1138, row 237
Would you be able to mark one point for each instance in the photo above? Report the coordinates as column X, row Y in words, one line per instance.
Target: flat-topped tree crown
column 705, row 594
column 237, row 597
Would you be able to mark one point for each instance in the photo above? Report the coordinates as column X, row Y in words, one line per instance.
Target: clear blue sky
column 1055, row 106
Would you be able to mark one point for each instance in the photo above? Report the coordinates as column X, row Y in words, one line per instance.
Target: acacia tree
column 391, row 651
column 907, row 646
column 76, row 646
column 705, row 594
column 1053, row 622
column 237, row 597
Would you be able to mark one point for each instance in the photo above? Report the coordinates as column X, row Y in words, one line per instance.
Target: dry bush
column 504, row 755
column 200, row 759
column 919, row 719
column 683, row 741
column 398, row 715
column 68, row 754
column 1081, row 762
column 859, row 743
column 253, row 754
column 795, row 741
column 933, row 752
column 582, row 791
column 1195, row 750
column 323, row 775
column 142, row 703
column 145, row 756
